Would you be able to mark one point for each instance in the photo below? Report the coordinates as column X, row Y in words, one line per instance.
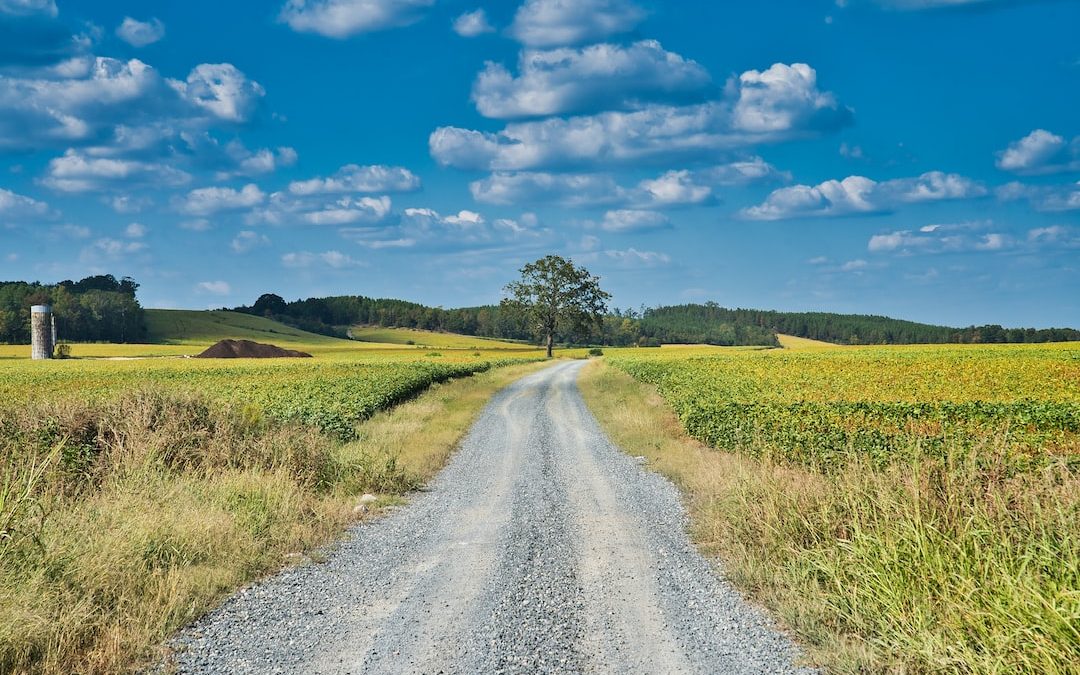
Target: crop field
column 903, row 509
column 820, row 406
column 138, row 486
column 427, row 338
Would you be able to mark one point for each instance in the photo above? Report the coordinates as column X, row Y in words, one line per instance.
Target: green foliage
column 822, row 408
column 596, row 351
column 557, row 299
column 95, row 309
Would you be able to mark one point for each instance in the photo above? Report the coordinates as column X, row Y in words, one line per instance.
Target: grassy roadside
column 120, row 522
column 927, row 567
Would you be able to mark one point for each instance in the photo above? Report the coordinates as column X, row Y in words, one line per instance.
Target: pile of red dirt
column 246, row 349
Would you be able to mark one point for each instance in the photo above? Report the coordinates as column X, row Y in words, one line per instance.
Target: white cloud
column 214, row 287
column 632, row 257
column 472, row 24
column 778, row 99
column 355, row 178
column 941, row 238
column 854, row 266
column 222, row 90
column 206, row 201
column 135, row 230
column 343, row 18
column 127, row 203
column 1051, row 198
column 247, row 240
column 602, row 76
column 758, row 109
column 673, row 188
column 76, row 172
column 332, row 259
column 465, row 219
column 15, row 206
column 347, row 211
column 555, row 23
column 379, row 244
column 140, row 33
column 27, row 7
column 633, row 220
column 861, row 195
column 1040, row 152
column 88, row 100
column 110, row 250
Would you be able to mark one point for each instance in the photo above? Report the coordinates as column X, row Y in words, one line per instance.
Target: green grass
column 425, row 338
column 193, row 327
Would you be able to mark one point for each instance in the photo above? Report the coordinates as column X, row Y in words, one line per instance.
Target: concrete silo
column 41, row 332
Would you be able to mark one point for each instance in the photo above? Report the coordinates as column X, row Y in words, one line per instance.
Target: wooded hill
column 680, row 324
column 95, row 309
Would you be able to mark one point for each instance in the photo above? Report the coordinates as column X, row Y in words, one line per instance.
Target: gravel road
column 540, row 548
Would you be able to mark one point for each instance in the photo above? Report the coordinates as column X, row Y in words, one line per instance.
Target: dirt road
column 541, row 548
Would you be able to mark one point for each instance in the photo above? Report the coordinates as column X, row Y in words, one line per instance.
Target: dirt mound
column 246, row 349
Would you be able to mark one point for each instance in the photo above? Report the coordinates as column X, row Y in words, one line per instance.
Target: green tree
column 557, row 298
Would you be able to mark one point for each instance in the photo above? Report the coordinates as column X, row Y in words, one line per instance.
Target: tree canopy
column 558, row 299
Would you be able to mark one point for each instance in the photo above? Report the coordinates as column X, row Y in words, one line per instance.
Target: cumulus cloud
column 214, row 287
column 1040, row 152
column 343, row 18
column 28, row 7
column 140, row 33
column 87, row 100
column 860, row 195
column 331, row 259
column 472, row 24
column 14, row 206
column 757, row 109
column 633, row 220
column 347, row 211
column 556, row 23
column 941, row 238
column 673, row 188
column 355, row 178
column 76, row 172
column 135, row 231
column 207, row 201
column 602, row 76
column 1050, row 198
column 222, row 90
column 248, row 240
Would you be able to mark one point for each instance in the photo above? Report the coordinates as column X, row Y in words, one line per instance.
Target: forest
column 95, row 309
column 680, row 324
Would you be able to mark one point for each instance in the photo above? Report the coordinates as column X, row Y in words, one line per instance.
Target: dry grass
column 121, row 522
column 920, row 568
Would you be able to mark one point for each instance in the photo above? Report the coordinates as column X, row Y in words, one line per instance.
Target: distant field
column 192, row 327
column 425, row 338
column 793, row 342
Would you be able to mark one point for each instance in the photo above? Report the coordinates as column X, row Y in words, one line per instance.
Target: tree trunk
column 550, row 344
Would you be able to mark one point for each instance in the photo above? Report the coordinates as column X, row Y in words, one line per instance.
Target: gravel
column 540, row 548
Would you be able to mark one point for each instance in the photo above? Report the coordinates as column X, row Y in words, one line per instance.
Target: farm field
column 910, row 509
column 134, row 491
column 426, row 338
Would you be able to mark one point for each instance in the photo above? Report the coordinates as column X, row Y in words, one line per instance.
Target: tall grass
column 941, row 564
column 123, row 521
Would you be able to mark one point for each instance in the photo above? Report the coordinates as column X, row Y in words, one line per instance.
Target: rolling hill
column 193, row 327
column 427, row 338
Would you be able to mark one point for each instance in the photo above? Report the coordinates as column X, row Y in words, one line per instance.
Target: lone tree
column 557, row 298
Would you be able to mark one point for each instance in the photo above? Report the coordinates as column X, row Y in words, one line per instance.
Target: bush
column 596, row 351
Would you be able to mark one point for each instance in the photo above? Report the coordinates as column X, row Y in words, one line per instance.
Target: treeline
column 679, row 324
column 854, row 329
column 95, row 309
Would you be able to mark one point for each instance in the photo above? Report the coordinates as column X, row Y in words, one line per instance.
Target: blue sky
column 916, row 158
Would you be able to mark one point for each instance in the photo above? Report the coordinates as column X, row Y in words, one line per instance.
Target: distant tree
column 557, row 298
column 269, row 304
